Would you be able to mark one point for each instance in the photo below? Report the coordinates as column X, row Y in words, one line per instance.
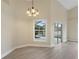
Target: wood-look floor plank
column 64, row 51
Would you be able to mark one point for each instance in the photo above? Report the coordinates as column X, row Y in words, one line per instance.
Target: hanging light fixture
column 32, row 11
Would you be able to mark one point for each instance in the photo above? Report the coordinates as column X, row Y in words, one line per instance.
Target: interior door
column 58, row 33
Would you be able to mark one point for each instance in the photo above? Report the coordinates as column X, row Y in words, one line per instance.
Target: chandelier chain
column 32, row 3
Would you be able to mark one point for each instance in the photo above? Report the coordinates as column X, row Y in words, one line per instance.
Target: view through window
column 40, row 29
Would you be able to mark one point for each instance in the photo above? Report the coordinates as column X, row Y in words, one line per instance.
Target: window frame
column 39, row 39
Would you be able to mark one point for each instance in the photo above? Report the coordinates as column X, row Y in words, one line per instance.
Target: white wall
column 73, row 24
column 8, row 30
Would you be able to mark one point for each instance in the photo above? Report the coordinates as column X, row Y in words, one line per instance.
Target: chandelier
column 32, row 11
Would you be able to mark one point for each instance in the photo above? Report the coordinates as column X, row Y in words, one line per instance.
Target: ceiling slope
column 69, row 4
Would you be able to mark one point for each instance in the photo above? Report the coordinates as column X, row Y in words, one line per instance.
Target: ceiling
column 69, row 4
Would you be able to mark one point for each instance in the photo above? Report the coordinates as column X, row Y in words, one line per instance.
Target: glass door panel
column 58, row 33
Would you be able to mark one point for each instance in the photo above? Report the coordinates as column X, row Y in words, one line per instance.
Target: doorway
column 58, row 33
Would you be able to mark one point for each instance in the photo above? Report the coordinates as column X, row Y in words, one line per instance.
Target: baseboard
column 21, row 46
column 35, row 45
column 32, row 45
column 72, row 41
column 5, row 54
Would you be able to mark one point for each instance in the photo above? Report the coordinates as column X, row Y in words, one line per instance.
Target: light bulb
column 28, row 12
column 37, row 13
column 33, row 10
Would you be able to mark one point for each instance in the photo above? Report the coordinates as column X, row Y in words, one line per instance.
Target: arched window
column 40, row 29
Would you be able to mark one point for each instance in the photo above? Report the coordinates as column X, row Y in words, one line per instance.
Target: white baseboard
column 5, row 54
column 72, row 41
column 33, row 45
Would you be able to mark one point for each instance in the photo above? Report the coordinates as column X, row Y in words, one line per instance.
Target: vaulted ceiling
column 69, row 4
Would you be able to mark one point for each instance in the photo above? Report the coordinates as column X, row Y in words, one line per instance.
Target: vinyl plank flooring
column 63, row 51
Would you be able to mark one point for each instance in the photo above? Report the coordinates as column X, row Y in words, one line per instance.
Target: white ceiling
column 68, row 4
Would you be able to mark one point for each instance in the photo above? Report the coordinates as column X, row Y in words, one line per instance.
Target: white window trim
column 42, row 40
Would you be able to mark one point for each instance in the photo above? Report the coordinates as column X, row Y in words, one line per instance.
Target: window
column 40, row 30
